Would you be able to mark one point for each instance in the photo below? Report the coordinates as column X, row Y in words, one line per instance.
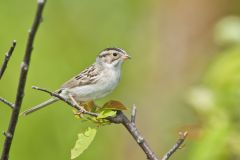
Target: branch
column 74, row 105
column 7, row 58
column 129, row 125
column 22, row 81
column 119, row 118
column 177, row 145
column 11, row 105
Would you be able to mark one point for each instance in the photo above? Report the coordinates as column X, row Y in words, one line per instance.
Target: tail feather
column 40, row 106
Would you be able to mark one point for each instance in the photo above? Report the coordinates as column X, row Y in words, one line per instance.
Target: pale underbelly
column 89, row 92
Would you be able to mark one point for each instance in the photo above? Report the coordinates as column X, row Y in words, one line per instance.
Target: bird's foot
column 81, row 109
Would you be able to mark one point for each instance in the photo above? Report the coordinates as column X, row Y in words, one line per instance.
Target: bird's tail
column 40, row 106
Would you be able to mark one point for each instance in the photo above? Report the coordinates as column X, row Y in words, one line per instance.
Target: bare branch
column 7, row 58
column 11, row 105
column 22, row 81
column 74, row 105
column 177, row 145
column 133, row 114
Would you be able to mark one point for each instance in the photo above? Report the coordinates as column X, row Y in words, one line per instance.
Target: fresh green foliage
column 83, row 142
column 109, row 109
column 85, row 139
column 106, row 113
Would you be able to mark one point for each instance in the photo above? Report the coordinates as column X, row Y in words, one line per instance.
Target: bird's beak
column 125, row 57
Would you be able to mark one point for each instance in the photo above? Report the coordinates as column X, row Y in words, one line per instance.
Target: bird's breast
column 110, row 80
column 105, row 84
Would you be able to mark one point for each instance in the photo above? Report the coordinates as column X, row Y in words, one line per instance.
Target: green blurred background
column 184, row 75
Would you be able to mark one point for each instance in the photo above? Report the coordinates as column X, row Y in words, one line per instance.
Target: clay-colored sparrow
column 94, row 82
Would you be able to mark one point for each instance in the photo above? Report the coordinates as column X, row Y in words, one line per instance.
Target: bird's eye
column 114, row 54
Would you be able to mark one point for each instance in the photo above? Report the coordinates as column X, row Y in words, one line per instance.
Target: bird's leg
column 81, row 109
column 89, row 106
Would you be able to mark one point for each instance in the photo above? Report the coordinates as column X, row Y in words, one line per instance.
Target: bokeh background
column 184, row 75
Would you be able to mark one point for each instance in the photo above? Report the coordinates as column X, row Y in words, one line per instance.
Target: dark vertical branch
column 22, row 82
column 7, row 58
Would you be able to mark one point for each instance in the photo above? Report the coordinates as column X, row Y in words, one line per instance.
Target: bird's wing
column 88, row 76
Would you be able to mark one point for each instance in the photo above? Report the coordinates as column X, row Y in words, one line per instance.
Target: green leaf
column 106, row 113
column 83, row 141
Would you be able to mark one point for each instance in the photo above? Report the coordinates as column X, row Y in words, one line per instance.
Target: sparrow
column 95, row 82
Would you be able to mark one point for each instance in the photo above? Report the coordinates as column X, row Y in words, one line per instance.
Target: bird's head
column 112, row 57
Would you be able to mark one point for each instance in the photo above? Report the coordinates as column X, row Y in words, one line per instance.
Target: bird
column 95, row 82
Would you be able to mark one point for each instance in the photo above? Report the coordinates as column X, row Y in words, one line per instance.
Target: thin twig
column 7, row 58
column 177, row 145
column 133, row 114
column 74, row 105
column 119, row 118
column 22, row 81
column 11, row 105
